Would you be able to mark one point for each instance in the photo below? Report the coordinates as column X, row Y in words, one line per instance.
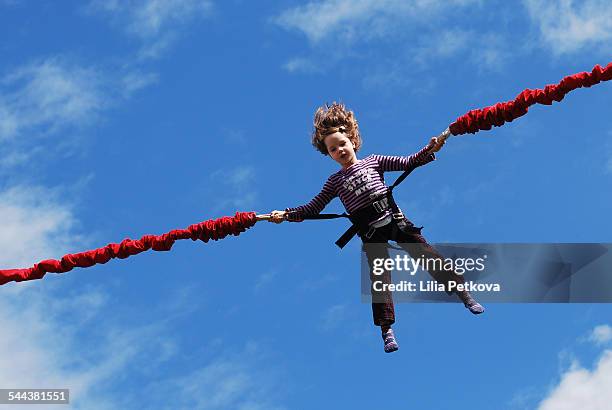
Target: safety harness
column 361, row 218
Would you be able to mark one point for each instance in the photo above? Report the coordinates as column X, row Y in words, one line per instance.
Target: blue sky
column 119, row 119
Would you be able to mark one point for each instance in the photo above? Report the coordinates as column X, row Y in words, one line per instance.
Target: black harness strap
column 347, row 236
column 327, row 216
column 354, row 228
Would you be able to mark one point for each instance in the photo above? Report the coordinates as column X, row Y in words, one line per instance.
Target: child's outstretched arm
column 405, row 163
column 314, row 207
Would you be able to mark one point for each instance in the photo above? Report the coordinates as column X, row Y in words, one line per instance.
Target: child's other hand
column 436, row 144
column 277, row 216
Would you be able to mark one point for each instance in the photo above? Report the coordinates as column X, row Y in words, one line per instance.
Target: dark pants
column 383, row 311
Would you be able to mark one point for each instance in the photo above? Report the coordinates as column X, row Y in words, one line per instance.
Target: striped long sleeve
column 397, row 163
column 316, row 205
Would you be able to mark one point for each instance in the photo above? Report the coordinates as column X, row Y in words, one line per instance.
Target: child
column 362, row 190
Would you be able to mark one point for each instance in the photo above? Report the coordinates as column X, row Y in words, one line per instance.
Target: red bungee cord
column 204, row 231
column 472, row 122
column 498, row 114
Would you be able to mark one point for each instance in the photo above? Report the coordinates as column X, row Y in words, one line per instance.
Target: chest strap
column 361, row 218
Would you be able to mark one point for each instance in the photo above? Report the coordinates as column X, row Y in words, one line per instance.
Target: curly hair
column 334, row 118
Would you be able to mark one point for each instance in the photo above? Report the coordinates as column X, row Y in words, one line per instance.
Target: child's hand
column 278, row 216
column 436, row 144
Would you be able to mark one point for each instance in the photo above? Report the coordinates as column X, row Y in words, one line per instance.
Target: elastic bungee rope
column 211, row 229
column 500, row 113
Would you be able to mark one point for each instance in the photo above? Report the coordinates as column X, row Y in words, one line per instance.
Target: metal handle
column 443, row 136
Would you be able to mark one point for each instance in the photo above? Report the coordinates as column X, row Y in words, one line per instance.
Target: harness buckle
column 380, row 205
column 370, row 232
column 398, row 215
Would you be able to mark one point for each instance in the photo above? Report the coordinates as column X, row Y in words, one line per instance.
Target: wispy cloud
column 37, row 350
column 444, row 44
column 238, row 187
column 524, row 399
column 35, row 225
column 567, row 26
column 239, row 380
column 357, row 20
column 334, row 316
column 318, row 20
column 47, row 96
column 421, row 33
column 301, row 65
column 601, row 334
column 55, row 100
column 135, row 81
column 63, row 339
column 156, row 23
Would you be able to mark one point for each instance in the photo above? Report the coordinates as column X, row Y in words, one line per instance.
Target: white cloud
column 13, row 159
column 155, row 22
column 48, row 96
column 237, row 381
column 567, row 26
column 583, row 389
column 601, row 334
column 37, row 349
column 8, row 123
column 433, row 47
column 35, row 344
column 241, row 177
column 35, row 226
column 379, row 78
column 492, row 54
column 135, row 81
column 69, row 340
column 445, row 43
column 46, row 104
column 54, row 337
column 41, row 336
column 352, row 20
column 151, row 17
column 318, row 20
column 303, row 65
column 421, row 33
column 524, row 399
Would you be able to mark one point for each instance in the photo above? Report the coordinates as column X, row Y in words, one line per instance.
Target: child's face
column 341, row 149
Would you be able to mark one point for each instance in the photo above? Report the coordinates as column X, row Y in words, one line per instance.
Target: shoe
column 469, row 302
column 390, row 342
column 474, row 307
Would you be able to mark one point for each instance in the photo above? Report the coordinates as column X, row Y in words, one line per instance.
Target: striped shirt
column 357, row 185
